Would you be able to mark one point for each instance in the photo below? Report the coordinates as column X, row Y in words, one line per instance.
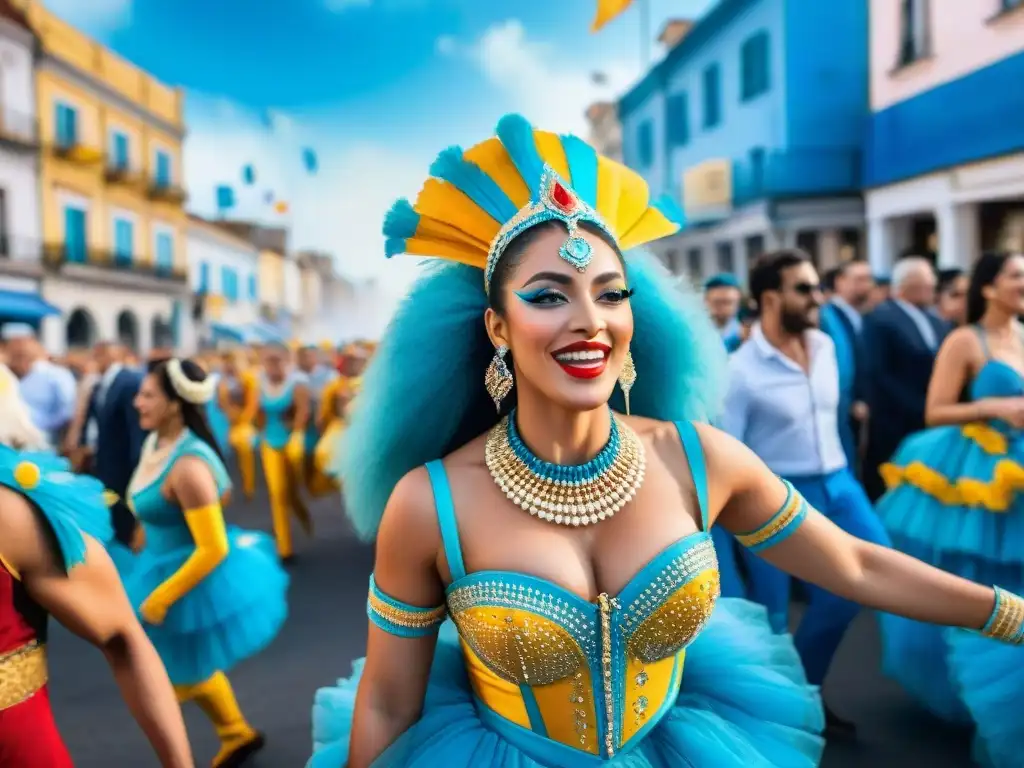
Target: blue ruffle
column 972, row 542
column 232, row 614
column 990, row 675
column 744, row 702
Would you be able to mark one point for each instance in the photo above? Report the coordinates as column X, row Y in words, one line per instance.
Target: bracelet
column 1007, row 620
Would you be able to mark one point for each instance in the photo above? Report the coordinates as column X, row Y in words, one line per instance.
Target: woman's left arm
column 195, row 490
column 769, row 516
column 302, row 408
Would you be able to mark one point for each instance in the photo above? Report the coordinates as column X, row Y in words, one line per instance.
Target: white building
column 944, row 169
column 20, row 227
column 224, row 278
column 291, row 295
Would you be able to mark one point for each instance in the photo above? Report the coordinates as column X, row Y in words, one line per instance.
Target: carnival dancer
column 283, row 416
column 954, row 500
column 52, row 562
column 319, row 380
column 238, row 397
column 570, row 543
column 210, row 595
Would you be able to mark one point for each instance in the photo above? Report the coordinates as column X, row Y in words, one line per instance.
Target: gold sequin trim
column 404, row 618
column 782, row 520
column 1008, row 619
column 22, row 674
column 606, row 605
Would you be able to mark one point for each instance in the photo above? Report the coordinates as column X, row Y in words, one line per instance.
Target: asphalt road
column 326, row 630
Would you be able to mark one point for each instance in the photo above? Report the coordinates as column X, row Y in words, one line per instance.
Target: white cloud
column 550, row 90
column 339, row 6
column 96, row 17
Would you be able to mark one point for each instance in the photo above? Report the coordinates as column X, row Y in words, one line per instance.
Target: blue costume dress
column 527, row 674
column 233, row 613
column 954, row 501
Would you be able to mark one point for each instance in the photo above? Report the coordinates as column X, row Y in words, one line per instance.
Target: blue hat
column 721, row 280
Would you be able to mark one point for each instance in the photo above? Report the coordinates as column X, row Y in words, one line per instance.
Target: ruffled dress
column 233, row 613
column 955, row 501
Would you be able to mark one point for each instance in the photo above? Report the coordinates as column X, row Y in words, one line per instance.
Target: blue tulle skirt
column 744, row 702
column 231, row 615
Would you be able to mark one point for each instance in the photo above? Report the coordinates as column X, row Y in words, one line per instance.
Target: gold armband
column 398, row 618
column 780, row 526
column 1007, row 620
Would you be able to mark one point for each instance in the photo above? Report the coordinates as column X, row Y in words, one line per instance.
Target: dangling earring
column 627, row 377
column 498, row 378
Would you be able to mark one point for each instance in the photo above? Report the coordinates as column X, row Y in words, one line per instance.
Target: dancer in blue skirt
column 209, row 595
column 566, row 534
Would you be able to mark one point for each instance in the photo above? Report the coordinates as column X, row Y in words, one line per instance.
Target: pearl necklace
column 567, row 495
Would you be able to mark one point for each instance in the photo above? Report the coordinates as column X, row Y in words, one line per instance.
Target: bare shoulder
column 963, row 341
column 193, row 482
column 468, row 456
column 22, row 532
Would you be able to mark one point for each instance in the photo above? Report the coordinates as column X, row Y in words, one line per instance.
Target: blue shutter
column 120, row 151
column 712, row 96
column 254, row 288
column 645, row 143
column 123, row 241
column 754, row 66
column 66, row 125
column 677, row 119
column 75, row 240
column 204, row 277
column 165, row 255
column 163, row 169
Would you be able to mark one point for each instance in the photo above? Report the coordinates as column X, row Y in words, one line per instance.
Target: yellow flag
column 607, row 10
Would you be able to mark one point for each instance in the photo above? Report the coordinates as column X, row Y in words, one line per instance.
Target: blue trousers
column 840, row 498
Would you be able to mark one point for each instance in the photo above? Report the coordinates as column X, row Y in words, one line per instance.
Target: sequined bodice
column 590, row 676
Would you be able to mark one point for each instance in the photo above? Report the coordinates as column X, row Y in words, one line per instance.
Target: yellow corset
column 589, row 676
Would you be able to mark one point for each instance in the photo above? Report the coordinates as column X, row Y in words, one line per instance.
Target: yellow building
column 271, row 284
column 112, row 195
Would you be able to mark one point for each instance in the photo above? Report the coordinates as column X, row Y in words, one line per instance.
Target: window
column 204, row 278
column 712, row 96
column 695, row 263
column 754, row 67
column 124, row 240
column 118, row 151
column 75, row 234
column 254, row 288
column 913, row 31
column 165, row 257
column 645, row 144
column 677, row 120
column 229, row 284
column 163, row 168
column 723, row 258
column 755, row 248
column 66, row 125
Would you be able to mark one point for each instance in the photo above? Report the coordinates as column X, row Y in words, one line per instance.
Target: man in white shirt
column 783, row 403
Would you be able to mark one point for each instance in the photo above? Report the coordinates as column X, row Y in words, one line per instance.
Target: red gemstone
column 561, row 197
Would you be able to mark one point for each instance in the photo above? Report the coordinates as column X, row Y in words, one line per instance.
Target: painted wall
column 205, row 244
column 271, row 272
column 19, row 169
column 964, row 37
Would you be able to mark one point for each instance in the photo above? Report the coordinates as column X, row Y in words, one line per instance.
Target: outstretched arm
column 770, row 517
column 91, row 602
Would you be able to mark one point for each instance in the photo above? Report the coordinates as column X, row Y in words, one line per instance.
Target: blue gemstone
column 577, row 252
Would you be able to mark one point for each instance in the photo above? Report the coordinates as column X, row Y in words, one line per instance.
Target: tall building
column 20, row 241
column 113, row 219
column 605, row 129
column 753, row 122
column 944, row 159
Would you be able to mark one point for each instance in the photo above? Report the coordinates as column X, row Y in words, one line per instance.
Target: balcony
column 18, row 130
column 163, row 191
column 796, row 173
column 75, row 152
column 117, row 172
column 58, row 256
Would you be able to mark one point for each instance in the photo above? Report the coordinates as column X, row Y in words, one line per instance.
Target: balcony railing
column 164, row 191
column 117, row 172
column 18, row 129
column 801, row 172
column 76, row 152
column 57, row 255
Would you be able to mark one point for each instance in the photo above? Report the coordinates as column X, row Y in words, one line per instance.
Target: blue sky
column 376, row 87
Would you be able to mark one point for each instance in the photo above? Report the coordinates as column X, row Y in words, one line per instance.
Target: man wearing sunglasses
column 783, row 401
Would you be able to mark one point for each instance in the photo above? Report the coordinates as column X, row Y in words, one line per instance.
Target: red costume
column 28, row 733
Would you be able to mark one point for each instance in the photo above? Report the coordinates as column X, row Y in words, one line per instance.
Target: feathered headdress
column 478, row 200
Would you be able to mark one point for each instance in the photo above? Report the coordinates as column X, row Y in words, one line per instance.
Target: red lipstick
column 583, row 359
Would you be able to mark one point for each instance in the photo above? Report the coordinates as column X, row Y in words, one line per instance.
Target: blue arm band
column 401, row 619
column 782, row 524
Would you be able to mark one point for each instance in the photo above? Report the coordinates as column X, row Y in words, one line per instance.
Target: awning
column 228, row 333
column 23, row 307
column 265, row 332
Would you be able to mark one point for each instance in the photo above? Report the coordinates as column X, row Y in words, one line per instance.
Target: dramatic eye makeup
column 542, row 296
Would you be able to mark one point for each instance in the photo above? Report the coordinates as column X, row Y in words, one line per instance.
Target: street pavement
column 326, row 630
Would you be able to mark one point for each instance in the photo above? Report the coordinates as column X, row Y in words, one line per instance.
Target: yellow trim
column 779, row 522
column 988, row 438
column 10, row 568
column 994, row 496
column 23, row 673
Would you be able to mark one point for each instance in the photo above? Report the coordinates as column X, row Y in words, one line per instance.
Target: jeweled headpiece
column 479, row 200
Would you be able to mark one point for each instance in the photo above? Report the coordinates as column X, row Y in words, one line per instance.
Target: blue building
column 944, row 154
column 753, row 122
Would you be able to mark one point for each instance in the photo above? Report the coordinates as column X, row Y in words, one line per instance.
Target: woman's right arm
column 91, row 602
column 956, row 361
column 405, row 607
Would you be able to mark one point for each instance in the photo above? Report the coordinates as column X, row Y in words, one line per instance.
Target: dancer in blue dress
column 210, row 595
column 954, row 501
column 568, row 542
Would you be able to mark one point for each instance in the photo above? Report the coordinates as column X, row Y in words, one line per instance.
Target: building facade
column 316, row 272
column 753, row 123
column 224, row 279
column 113, row 219
column 605, row 129
column 21, row 267
column 944, row 156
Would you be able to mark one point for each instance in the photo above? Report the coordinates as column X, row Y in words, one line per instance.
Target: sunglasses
column 806, row 289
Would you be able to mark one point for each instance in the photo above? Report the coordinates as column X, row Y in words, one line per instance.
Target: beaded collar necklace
column 574, row 495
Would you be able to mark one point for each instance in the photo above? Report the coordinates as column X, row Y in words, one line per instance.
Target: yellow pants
column 319, row 480
column 242, row 438
column 217, row 700
column 284, row 482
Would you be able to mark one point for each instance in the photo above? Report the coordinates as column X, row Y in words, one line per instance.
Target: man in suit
column 842, row 319
column 901, row 337
column 112, row 429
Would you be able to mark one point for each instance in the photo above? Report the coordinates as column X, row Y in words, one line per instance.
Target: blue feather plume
column 470, row 179
column 516, row 136
column 582, row 168
column 425, row 382
column 670, row 210
column 401, row 220
column 394, row 246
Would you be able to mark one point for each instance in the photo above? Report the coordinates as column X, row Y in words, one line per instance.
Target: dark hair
column 766, row 274
column 947, row 277
column 194, row 416
column 828, row 280
column 986, row 270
